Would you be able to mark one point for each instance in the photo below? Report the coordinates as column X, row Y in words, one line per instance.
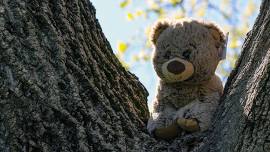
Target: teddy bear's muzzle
column 177, row 69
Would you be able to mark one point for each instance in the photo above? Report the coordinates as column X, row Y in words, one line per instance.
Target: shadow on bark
column 62, row 88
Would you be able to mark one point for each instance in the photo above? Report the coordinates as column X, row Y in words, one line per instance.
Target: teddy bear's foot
column 190, row 125
column 168, row 132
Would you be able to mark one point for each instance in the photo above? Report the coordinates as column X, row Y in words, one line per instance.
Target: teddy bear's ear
column 157, row 29
column 220, row 39
column 223, row 48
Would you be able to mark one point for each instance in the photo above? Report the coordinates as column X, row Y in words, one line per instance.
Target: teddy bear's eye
column 193, row 45
column 167, row 55
column 186, row 54
column 166, row 46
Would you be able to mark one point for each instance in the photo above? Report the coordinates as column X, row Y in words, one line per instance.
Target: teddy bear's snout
column 176, row 67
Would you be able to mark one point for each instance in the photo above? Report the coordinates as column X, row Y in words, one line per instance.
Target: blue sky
column 116, row 27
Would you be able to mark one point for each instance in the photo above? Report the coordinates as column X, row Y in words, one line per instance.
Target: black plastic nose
column 176, row 67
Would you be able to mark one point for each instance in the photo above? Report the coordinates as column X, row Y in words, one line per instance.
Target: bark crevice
column 63, row 89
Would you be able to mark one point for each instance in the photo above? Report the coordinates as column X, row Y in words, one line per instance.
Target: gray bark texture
column 61, row 87
column 63, row 90
column 242, row 122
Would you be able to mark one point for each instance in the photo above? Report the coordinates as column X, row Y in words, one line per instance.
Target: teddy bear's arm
column 214, row 85
column 161, row 123
column 161, row 117
column 190, row 125
column 168, row 132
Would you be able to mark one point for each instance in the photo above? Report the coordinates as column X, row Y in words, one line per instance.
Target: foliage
column 235, row 17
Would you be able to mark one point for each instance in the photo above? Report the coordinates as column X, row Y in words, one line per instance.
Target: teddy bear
column 185, row 56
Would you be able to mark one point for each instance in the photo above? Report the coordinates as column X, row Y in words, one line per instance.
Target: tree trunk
column 242, row 123
column 62, row 89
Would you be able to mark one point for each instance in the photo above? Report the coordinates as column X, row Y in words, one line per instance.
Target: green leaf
column 125, row 3
column 122, row 47
column 130, row 16
column 174, row 2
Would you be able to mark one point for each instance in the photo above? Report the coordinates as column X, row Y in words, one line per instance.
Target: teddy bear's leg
column 190, row 125
column 161, row 123
column 197, row 115
column 204, row 111
column 185, row 120
column 168, row 132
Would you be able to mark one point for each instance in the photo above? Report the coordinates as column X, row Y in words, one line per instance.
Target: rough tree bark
column 62, row 89
column 242, row 123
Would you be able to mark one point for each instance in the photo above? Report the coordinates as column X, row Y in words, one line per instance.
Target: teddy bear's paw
column 168, row 132
column 190, row 125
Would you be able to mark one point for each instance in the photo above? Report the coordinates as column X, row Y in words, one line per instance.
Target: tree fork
column 61, row 86
column 63, row 89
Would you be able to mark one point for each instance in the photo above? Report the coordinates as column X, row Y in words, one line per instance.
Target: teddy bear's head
column 186, row 50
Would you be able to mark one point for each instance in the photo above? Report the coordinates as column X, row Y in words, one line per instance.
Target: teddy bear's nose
column 176, row 67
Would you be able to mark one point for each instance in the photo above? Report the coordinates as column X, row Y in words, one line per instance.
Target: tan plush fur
column 194, row 98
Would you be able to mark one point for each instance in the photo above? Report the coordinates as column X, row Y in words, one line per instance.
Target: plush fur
column 186, row 55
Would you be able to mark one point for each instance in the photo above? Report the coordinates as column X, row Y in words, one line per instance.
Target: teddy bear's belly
column 180, row 101
column 200, row 110
column 178, row 98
